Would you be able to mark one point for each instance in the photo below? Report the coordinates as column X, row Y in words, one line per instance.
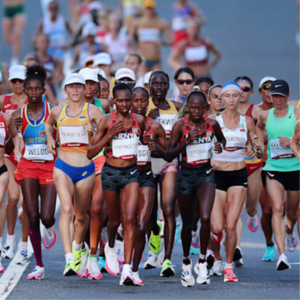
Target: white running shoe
column 93, row 268
column 49, row 238
column 223, row 241
column 1, row 267
column 8, row 249
column 136, row 279
column 203, row 276
column 111, row 264
column 121, row 231
column 21, row 256
column 37, row 273
column 217, row 268
column 151, row 262
column 120, row 251
column 291, row 242
column 253, row 223
column 187, row 278
column 126, row 276
column 83, row 270
column 160, row 258
column 282, row 263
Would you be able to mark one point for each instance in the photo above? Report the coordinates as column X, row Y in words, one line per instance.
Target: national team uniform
column 3, row 139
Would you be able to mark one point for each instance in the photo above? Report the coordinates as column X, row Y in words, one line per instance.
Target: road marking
column 295, row 263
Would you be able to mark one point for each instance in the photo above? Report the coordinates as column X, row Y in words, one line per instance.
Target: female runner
column 119, row 133
column 35, row 169
column 192, row 136
column 184, row 79
column 74, row 173
column 156, row 143
column 231, row 174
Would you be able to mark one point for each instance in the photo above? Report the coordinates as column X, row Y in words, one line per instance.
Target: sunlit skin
column 104, row 89
column 245, row 95
column 132, row 63
column 265, row 94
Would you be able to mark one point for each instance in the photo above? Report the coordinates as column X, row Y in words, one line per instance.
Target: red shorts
column 99, row 162
column 41, row 171
column 178, row 36
column 253, row 166
column 11, row 158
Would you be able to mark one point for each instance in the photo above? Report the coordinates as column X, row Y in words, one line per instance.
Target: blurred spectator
column 102, row 18
column 134, row 61
column 130, row 10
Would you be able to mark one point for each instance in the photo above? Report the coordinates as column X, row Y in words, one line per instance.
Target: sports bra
column 3, row 131
column 198, row 152
column 9, row 107
column 196, row 54
column 144, row 154
column 236, row 140
column 125, row 144
column 72, row 137
column 149, row 34
column 166, row 118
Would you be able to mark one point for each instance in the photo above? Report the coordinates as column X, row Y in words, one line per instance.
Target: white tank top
column 56, row 30
column 235, row 141
column 117, row 48
column 149, row 35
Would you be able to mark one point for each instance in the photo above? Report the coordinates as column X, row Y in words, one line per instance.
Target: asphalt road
column 256, row 38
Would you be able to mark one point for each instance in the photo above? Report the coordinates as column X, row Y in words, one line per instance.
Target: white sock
column 201, row 256
column 23, row 244
column 10, row 238
column 228, row 266
column 69, row 256
column 252, row 218
column 76, row 246
column 126, row 267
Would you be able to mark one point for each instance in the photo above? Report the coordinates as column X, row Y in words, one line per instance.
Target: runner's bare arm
column 175, row 57
column 165, row 29
column 159, row 146
column 218, row 132
column 14, row 134
column 255, row 113
column 255, row 140
column 52, row 119
column 216, row 53
column 198, row 13
column 295, row 141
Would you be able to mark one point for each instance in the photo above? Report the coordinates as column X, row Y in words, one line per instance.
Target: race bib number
column 198, row 152
column 143, row 155
column 37, row 152
column 167, row 122
column 73, row 136
column 278, row 151
column 2, row 136
column 125, row 148
column 235, row 140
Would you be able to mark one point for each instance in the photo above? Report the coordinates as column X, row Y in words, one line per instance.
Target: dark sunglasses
column 216, row 96
column 245, row 88
column 14, row 81
column 130, row 83
column 181, row 81
column 266, row 86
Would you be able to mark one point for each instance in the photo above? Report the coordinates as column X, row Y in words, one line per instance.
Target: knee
column 129, row 220
column 230, row 228
column 278, row 208
column 33, row 220
column 67, row 211
column 13, row 199
column 81, row 217
column 187, row 226
column 47, row 221
column 169, row 212
column 267, row 211
column 96, row 211
column 205, row 220
column 114, row 223
column 251, row 210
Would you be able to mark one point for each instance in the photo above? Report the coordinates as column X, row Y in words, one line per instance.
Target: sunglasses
column 182, row 81
column 130, row 83
column 266, row 86
column 14, row 81
column 245, row 88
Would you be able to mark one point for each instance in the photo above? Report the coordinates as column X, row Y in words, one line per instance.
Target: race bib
column 198, row 152
column 125, row 148
column 167, row 122
column 73, row 136
column 143, row 155
column 2, row 136
column 37, row 152
column 235, row 140
column 278, row 151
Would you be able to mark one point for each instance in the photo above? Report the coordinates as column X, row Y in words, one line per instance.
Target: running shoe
column 154, row 241
column 37, row 273
column 101, row 264
column 217, row 268
column 167, row 269
column 210, row 259
column 160, row 258
column 237, row 257
column 177, row 232
column 203, row 275
column 282, row 263
column 8, row 249
column 21, row 256
column 269, row 254
column 77, row 256
column 136, row 279
column 1, row 266
column 120, row 251
column 253, row 223
column 83, row 270
column 104, row 236
column 111, row 264
column 151, row 262
column 49, row 238
column 217, row 238
column 70, row 268
column 187, row 278
column 291, row 242
column 229, row 276
column 126, row 276
column 93, row 268
column 195, row 244
column 120, row 231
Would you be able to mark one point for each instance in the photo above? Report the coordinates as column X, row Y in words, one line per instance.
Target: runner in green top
column 281, row 171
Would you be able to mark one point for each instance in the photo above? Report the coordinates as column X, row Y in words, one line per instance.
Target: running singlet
column 281, row 159
column 125, row 144
column 198, row 152
column 144, row 154
column 181, row 17
column 3, row 131
column 149, row 34
column 34, row 136
column 9, row 107
column 236, row 140
column 116, row 48
column 196, row 54
column 166, row 118
column 72, row 137
column 249, row 111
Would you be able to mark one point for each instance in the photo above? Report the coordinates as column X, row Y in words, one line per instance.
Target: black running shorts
column 289, row 180
column 227, row 179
